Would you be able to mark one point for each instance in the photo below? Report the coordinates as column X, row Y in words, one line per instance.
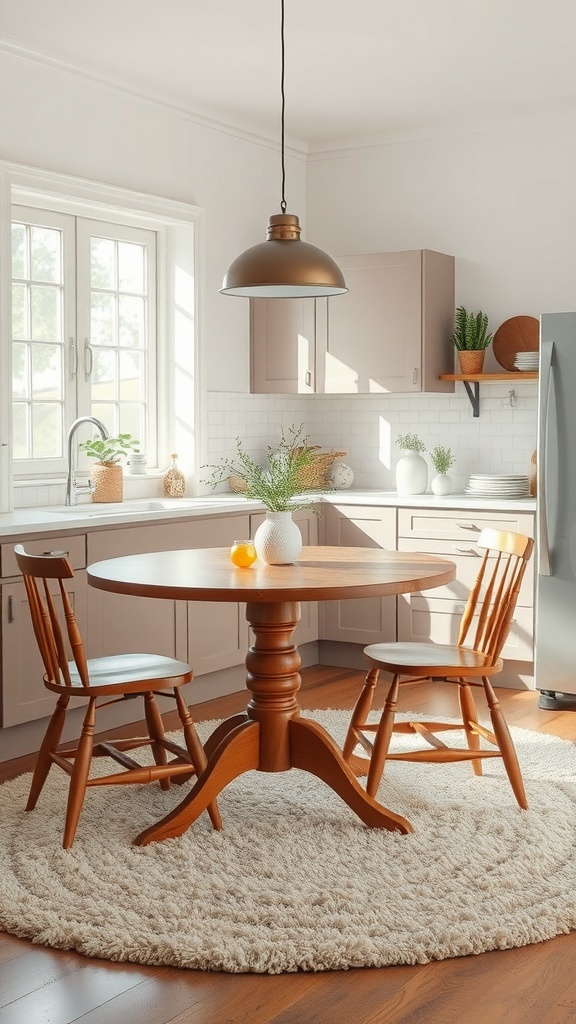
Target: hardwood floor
column 531, row 985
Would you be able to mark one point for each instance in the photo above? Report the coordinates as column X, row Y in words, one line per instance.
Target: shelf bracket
column 473, row 395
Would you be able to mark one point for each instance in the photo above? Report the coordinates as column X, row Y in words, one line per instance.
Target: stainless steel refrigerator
column 555, row 655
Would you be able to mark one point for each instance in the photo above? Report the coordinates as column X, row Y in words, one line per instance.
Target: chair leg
column 79, row 775
column 505, row 745
column 49, row 743
column 196, row 751
column 382, row 740
column 155, row 728
column 360, row 713
column 469, row 714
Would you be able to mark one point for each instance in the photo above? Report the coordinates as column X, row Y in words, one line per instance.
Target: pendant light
column 283, row 266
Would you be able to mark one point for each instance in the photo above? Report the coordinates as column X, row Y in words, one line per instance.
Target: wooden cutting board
column 518, row 334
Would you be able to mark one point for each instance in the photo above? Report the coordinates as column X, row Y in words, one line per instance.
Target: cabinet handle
column 308, row 378
column 468, row 526
column 10, row 608
column 415, row 376
column 467, row 551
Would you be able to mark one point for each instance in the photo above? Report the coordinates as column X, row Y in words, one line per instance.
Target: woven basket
column 317, row 474
column 312, row 477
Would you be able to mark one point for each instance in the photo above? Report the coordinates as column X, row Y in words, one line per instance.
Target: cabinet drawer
column 422, row 618
column 427, row 524
column 467, row 557
column 75, row 548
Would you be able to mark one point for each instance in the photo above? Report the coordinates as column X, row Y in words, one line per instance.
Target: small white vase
column 441, row 484
column 411, row 474
column 278, row 540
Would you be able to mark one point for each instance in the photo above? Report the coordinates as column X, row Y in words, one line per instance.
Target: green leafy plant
column 410, row 443
column 110, row 450
column 470, row 331
column 275, row 484
column 442, row 458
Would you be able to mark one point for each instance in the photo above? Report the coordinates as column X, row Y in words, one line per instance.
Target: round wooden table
column 270, row 736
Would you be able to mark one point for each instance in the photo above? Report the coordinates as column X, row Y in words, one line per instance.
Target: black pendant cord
column 283, row 202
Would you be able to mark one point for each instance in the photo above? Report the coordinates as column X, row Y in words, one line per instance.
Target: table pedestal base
column 270, row 735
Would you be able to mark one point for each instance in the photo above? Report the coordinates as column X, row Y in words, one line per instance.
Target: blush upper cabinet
column 389, row 333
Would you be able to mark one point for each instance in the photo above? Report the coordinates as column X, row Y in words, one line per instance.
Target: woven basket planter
column 108, row 482
column 471, row 360
column 312, row 478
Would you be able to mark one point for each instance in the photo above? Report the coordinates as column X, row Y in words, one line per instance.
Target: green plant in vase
column 277, row 484
column 471, row 339
column 106, row 475
column 411, row 468
column 442, row 460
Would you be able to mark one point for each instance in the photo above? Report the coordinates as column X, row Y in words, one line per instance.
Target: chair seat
column 431, row 659
column 132, row 673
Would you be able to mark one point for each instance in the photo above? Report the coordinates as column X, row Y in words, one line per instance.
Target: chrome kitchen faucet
column 72, row 490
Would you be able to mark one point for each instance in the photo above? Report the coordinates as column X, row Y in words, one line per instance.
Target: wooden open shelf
column 476, row 379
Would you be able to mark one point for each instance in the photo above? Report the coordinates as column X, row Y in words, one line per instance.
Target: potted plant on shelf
column 442, row 460
column 411, row 468
column 106, row 474
column 278, row 485
column 471, row 339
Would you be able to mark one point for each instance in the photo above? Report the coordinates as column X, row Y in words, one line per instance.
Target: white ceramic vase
column 411, row 474
column 278, row 540
column 441, row 484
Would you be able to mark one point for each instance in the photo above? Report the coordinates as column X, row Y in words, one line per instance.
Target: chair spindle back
column 50, row 631
column 495, row 592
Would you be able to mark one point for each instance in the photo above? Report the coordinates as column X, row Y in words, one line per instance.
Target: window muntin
column 83, row 333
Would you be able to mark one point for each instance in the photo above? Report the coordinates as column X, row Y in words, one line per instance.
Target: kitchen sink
column 120, row 508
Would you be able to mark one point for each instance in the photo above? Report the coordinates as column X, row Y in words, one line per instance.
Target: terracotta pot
column 108, row 482
column 472, row 360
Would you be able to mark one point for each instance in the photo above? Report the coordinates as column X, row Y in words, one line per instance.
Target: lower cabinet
column 210, row 635
column 435, row 614
column 217, row 630
column 366, row 620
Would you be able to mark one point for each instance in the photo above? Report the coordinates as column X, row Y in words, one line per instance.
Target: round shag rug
column 295, row 881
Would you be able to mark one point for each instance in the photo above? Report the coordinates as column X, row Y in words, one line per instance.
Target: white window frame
column 180, row 249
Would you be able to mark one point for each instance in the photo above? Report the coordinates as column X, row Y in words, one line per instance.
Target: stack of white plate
column 498, row 485
column 526, row 361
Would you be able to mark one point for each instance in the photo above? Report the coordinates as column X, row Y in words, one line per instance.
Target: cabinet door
column 217, row 631
column 391, row 331
column 24, row 696
column 364, row 620
column 435, row 614
column 121, row 624
column 282, row 345
column 307, row 628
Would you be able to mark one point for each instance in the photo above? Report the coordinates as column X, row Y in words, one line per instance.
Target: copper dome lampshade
column 283, row 267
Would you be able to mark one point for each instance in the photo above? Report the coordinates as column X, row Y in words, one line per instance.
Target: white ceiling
column 353, row 67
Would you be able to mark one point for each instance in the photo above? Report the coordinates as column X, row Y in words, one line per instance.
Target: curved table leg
column 314, row 751
column 237, row 753
column 270, row 736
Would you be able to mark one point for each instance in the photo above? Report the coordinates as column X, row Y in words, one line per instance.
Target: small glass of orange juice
column 242, row 553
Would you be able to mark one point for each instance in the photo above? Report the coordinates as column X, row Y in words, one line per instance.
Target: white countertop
column 146, row 510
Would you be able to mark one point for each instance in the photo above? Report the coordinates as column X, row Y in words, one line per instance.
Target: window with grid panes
column 83, row 332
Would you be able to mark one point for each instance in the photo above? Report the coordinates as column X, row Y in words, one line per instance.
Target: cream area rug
column 295, row 881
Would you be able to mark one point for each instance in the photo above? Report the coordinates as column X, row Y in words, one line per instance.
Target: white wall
column 500, row 200
column 60, row 121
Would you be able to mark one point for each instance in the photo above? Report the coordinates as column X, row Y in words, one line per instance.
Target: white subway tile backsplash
column 501, row 439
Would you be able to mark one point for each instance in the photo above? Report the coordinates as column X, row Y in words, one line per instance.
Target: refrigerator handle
column 546, row 361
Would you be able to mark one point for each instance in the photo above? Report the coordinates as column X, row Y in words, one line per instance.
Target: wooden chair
column 113, row 678
column 487, row 616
